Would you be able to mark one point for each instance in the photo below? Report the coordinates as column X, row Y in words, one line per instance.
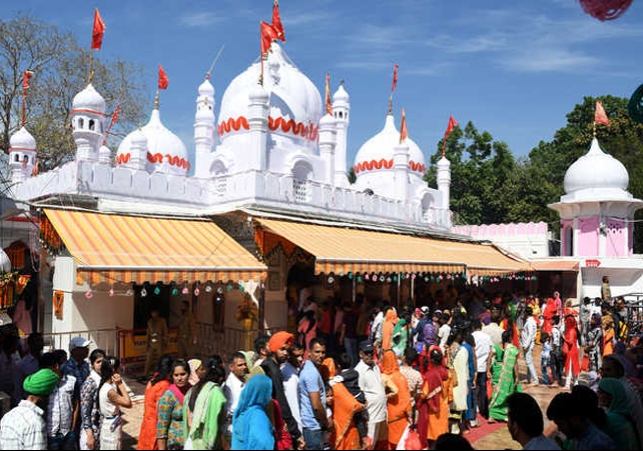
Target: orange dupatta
column 399, row 406
column 344, row 407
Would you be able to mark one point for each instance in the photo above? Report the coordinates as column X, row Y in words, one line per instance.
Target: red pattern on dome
column 385, row 164
column 233, row 124
column 122, row 158
column 172, row 160
column 309, row 132
column 156, row 158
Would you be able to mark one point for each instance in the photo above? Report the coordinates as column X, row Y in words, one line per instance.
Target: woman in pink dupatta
column 170, row 429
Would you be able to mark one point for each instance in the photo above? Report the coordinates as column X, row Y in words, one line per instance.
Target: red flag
column 404, row 133
column 276, row 22
column 163, row 80
column 114, row 117
column 34, row 171
column 26, row 76
column 99, row 30
column 600, row 116
column 394, row 78
column 268, row 34
column 329, row 102
column 452, row 124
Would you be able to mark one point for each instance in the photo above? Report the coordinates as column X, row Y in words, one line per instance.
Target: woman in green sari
column 504, row 377
column 204, row 411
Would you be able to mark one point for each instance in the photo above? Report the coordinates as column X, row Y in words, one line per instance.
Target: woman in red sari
column 155, row 388
column 548, row 314
column 570, row 350
column 437, row 394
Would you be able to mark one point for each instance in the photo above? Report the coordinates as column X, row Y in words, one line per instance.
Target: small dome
column 165, row 151
column 295, row 102
column 104, row 154
column 341, row 95
column 22, row 140
column 377, row 153
column 596, row 170
column 89, row 99
column 327, row 121
column 206, row 89
column 5, row 263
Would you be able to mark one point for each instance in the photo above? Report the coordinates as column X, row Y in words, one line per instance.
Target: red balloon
column 605, row 9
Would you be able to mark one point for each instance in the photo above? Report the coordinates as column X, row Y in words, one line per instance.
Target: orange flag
column 26, row 76
column 452, row 124
column 276, row 22
column 99, row 30
column 404, row 132
column 394, row 78
column 163, row 80
column 268, row 34
column 329, row 102
column 600, row 116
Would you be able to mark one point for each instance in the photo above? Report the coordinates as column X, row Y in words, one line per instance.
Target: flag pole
column 24, row 99
column 594, row 125
column 91, row 66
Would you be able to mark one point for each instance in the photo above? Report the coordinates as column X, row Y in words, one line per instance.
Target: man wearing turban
column 279, row 346
column 24, row 427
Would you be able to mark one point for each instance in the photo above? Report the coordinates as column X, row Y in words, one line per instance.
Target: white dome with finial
column 596, row 170
column 89, row 100
column 22, row 140
column 165, row 151
column 376, row 154
column 341, row 95
column 206, row 88
column 295, row 102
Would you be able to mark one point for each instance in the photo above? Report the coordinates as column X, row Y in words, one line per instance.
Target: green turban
column 41, row 383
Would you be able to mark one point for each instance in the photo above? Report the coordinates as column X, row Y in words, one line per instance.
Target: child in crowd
column 546, row 361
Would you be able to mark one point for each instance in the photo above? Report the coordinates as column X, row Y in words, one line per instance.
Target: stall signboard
column 133, row 344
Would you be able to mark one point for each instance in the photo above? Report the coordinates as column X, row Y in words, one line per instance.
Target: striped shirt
column 23, row 428
column 61, row 407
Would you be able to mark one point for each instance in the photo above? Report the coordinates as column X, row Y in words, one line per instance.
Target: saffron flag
column 114, row 117
column 26, row 76
column 452, row 124
column 329, row 102
column 276, row 22
column 600, row 116
column 99, row 30
column 394, row 78
column 268, row 34
column 404, row 132
column 163, row 80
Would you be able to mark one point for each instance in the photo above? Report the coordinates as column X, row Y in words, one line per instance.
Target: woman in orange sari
column 435, row 399
column 153, row 391
column 345, row 406
column 608, row 334
column 399, row 405
column 390, row 321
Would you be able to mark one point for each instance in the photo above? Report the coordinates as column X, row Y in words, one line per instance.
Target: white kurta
column 461, row 365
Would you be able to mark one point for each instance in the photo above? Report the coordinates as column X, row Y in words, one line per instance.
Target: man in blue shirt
column 312, row 396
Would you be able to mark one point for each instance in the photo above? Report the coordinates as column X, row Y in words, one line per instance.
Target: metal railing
column 212, row 339
column 105, row 339
column 634, row 320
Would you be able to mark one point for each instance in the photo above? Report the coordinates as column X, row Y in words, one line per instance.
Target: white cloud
column 548, row 60
column 200, row 19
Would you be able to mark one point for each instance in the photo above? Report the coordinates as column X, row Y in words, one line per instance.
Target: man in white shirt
column 528, row 342
column 232, row 388
column 376, row 326
column 370, row 381
column 444, row 331
column 290, row 374
column 24, row 427
column 483, row 363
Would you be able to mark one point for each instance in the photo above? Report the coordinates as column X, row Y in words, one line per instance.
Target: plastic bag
column 410, row 439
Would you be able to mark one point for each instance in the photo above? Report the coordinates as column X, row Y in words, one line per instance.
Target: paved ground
column 498, row 439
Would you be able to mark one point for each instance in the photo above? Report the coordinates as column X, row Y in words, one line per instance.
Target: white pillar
column 401, row 170
column 327, row 141
column 258, row 121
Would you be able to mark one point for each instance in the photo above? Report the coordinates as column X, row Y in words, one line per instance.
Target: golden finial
column 156, row 101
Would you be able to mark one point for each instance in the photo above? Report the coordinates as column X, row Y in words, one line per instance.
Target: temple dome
column 22, row 140
column 295, row 102
column 596, row 170
column 165, row 151
column 89, row 100
column 376, row 154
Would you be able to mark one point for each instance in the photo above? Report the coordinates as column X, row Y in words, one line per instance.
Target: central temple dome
column 596, row 170
column 295, row 102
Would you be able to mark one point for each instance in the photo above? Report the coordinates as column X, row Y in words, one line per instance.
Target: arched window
column 91, row 124
column 81, row 123
column 301, row 174
column 569, row 242
column 16, row 158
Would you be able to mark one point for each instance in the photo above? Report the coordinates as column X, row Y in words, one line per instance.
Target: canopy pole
column 354, row 290
column 413, row 290
column 399, row 283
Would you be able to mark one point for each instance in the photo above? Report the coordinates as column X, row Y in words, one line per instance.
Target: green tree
column 479, row 166
column 60, row 69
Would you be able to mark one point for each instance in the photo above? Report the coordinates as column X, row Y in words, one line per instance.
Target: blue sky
column 513, row 68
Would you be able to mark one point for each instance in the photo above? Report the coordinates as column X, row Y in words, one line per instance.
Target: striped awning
column 117, row 248
column 555, row 265
column 341, row 250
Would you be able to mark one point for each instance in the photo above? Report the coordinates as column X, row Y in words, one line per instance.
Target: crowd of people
column 355, row 376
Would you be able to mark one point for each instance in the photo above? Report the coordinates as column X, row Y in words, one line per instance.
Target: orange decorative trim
column 385, row 164
column 122, row 158
column 309, row 132
column 16, row 253
column 49, row 234
column 57, row 300
column 232, row 124
column 373, row 164
column 172, row 160
column 85, row 110
column 296, row 128
column 33, row 149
